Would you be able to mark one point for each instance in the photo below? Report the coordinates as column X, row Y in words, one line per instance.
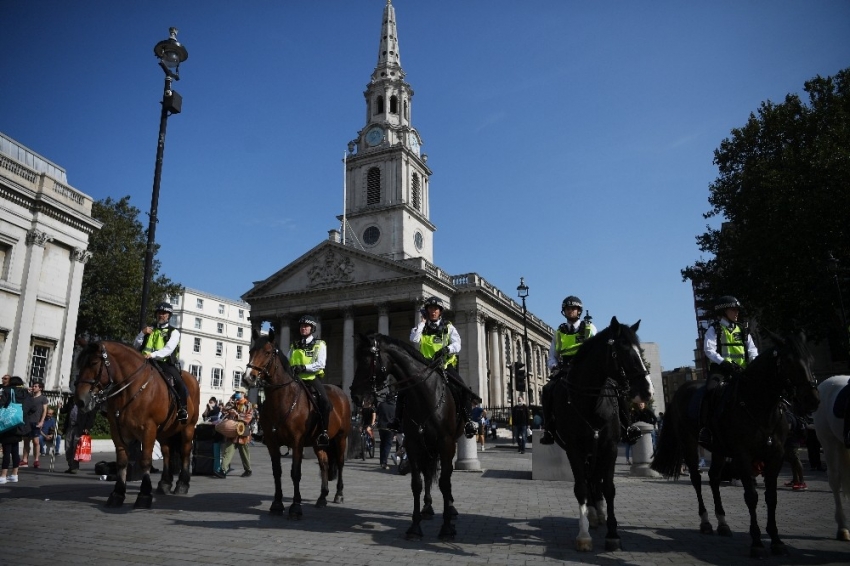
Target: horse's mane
column 93, row 348
column 406, row 346
column 588, row 348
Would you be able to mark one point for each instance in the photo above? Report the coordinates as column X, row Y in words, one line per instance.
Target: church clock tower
column 387, row 179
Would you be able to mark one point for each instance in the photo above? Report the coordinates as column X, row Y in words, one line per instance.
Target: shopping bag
column 11, row 415
column 83, row 453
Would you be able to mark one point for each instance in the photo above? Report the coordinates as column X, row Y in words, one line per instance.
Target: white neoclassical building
column 45, row 226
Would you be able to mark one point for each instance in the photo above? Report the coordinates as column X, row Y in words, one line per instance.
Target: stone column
column 383, row 319
column 20, row 347
column 496, row 371
column 347, row 350
column 79, row 258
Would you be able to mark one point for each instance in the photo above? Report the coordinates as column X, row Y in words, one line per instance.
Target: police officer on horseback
column 729, row 347
column 307, row 359
column 161, row 343
column 439, row 340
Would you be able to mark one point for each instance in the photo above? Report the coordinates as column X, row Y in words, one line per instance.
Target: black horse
column 749, row 428
column 431, row 425
column 587, row 426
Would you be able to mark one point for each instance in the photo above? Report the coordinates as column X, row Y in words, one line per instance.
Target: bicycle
column 367, row 443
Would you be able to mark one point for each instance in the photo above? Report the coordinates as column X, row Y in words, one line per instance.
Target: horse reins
column 264, row 375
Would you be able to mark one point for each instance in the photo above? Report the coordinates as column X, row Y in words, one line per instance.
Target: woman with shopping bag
column 12, row 393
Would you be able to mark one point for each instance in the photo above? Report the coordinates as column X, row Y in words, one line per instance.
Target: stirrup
column 547, row 438
column 470, row 429
column 182, row 414
column 633, row 434
column 323, row 439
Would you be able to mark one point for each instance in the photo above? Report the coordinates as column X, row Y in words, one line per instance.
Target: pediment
column 330, row 265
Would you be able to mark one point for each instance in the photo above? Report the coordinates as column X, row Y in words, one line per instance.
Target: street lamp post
column 170, row 54
column 522, row 291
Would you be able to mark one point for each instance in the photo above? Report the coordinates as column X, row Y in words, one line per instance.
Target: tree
column 112, row 281
column 783, row 191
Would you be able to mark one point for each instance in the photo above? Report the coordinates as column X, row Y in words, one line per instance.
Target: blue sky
column 571, row 142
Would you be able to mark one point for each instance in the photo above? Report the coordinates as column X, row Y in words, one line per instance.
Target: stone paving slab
column 506, row 518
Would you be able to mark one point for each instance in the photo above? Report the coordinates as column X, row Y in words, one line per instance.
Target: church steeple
column 387, row 180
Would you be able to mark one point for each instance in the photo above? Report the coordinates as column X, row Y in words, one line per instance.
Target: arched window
column 373, row 186
column 406, row 111
column 415, row 191
column 379, row 105
column 393, row 105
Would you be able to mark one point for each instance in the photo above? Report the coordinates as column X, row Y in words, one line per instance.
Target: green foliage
column 783, row 190
column 113, row 277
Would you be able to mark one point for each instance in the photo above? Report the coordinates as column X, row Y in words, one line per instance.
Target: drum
column 204, row 431
column 230, row 428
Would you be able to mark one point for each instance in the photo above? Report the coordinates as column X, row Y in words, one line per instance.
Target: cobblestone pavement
column 505, row 518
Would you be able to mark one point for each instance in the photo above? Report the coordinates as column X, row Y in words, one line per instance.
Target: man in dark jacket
column 77, row 423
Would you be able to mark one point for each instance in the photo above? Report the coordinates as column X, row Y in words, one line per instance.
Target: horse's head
column 264, row 361
column 371, row 369
column 95, row 376
column 624, row 356
column 794, row 368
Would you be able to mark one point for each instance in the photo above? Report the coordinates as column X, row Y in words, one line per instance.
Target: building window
column 217, row 378
column 379, row 105
column 238, row 352
column 393, row 105
column 418, row 240
column 199, row 304
column 175, row 301
column 219, row 327
column 219, row 348
column 239, row 332
column 197, row 323
column 196, row 347
column 38, row 362
column 415, row 191
column 371, row 235
column 241, row 314
column 5, row 260
column 237, row 379
column 220, row 309
column 373, row 186
column 195, row 370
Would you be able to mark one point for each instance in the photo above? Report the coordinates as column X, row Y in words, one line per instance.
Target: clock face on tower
column 414, row 142
column 374, row 136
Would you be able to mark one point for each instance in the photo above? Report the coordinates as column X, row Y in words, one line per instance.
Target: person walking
column 519, row 418
column 35, row 411
column 12, row 389
column 384, row 415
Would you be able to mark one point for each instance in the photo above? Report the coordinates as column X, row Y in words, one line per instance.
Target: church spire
column 389, row 58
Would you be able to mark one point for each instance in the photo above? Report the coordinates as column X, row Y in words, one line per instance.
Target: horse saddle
column 839, row 407
column 706, row 407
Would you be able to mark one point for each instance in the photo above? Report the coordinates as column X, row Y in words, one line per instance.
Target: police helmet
column 164, row 307
column 435, row 301
column 727, row 302
column 308, row 319
column 572, row 301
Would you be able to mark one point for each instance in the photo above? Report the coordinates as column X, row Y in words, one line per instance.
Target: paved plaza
column 505, row 518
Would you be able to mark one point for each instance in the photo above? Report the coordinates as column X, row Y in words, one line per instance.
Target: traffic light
column 519, row 376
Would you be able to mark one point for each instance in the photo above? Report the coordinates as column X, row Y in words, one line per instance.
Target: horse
column 750, row 429
column 830, row 430
column 587, row 425
column 139, row 407
column 288, row 418
column 431, row 426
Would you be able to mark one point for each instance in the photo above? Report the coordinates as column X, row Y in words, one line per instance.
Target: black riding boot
column 470, row 427
column 705, row 438
column 182, row 395
column 628, row 431
column 548, row 420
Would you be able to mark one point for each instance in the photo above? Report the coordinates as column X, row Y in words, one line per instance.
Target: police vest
column 434, row 339
column 157, row 340
column 567, row 343
column 732, row 344
column 306, row 356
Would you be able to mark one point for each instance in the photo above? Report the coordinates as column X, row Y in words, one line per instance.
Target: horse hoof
column 276, row 509
column 724, row 530
column 163, row 488
column 181, row 489
column 427, row 512
column 447, row 532
column 612, row 544
column 115, row 501
column 706, row 529
column 584, row 544
column 414, row 533
column 843, row 534
column 758, row 552
column 322, row 502
column 778, row 549
column 338, row 498
column 295, row 511
column 143, row 502
column 452, row 512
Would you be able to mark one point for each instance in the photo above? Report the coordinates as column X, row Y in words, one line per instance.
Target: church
column 375, row 271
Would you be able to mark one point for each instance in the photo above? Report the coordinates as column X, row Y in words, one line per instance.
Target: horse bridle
column 101, row 392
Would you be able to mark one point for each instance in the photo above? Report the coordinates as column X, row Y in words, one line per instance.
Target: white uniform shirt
column 712, row 352
column 453, row 346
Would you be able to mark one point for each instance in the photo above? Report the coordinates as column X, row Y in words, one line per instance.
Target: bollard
column 467, row 455
column 642, row 453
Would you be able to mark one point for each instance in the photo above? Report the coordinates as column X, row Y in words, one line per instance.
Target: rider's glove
column 298, row 370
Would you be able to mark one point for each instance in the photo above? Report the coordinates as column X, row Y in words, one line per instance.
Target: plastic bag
column 83, row 453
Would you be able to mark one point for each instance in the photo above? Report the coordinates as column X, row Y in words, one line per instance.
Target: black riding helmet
column 572, row 301
column 164, row 307
column 727, row 302
column 308, row 319
column 435, row 301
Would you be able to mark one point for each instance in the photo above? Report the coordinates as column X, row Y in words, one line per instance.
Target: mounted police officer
column 729, row 347
column 439, row 340
column 307, row 359
column 161, row 343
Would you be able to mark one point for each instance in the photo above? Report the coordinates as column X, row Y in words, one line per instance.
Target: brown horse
column 139, row 407
column 288, row 418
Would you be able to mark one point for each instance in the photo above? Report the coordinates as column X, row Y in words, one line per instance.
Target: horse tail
column 668, row 450
column 333, row 453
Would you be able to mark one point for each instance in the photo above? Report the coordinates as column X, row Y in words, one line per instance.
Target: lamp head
column 171, row 53
column 522, row 290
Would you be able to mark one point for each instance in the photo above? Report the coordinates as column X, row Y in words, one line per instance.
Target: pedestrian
column 796, row 435
column 49, row 433
column 237, row 409
column 12, row 388
column 77, row 423
column 35, row 411
column 478, row 416
column 161, row 343
column 384, row 414
column 519, row 418
column 307, row 359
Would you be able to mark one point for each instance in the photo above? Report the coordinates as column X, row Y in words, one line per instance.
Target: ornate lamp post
column 522, row 291
column 170, row 54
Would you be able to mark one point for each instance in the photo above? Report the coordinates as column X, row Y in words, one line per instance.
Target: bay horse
column 587, row 424
column 288, row 418
column 139, row 407
column 749, row 428
column 431, row 426
column 829, row 425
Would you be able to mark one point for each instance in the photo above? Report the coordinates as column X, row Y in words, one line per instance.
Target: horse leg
column 297, row 455
column 184, row 458
column 145, row 498
column 339, row 455
column 119, row 491
column 415, row 530
column 771, row 473
column 322, row 457
column 751, row 497
column 595, row 509
column 274, row 454
column 584, row 543
column 167, row 478
column 428, row 507
column 692, row 463
column 447, row 531
column 837, row 464
column 612, row 538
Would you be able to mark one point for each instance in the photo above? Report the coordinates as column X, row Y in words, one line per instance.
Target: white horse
column 830, row 430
